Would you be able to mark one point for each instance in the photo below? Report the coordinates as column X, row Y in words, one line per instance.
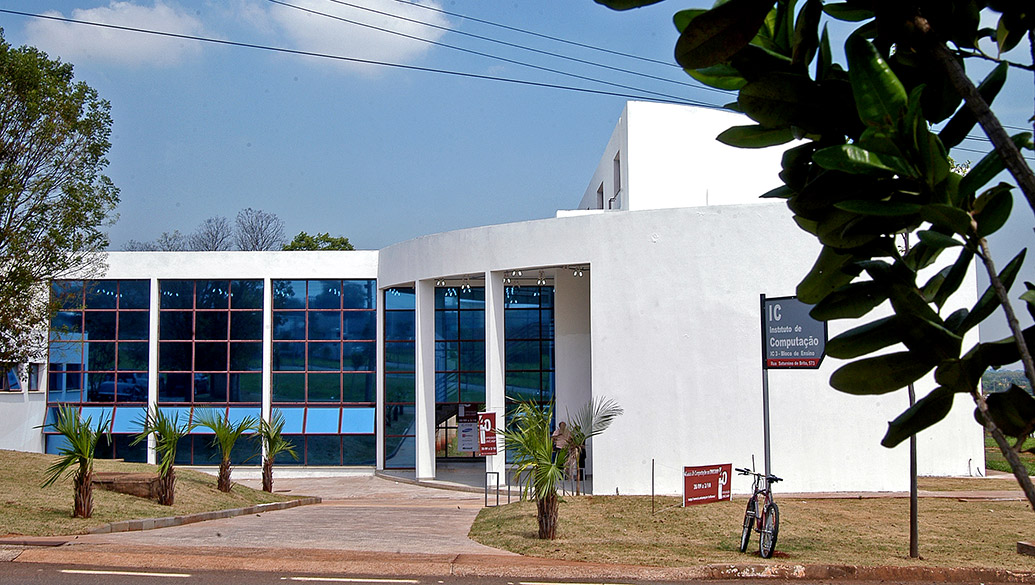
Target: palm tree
column 271, row 435
column 538, row 465
column 167, row 432
column 225, row 437
column 78, row 450
column 591, row 420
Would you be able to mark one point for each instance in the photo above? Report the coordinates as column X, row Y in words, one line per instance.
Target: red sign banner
column 706, row 484
column 486, row 433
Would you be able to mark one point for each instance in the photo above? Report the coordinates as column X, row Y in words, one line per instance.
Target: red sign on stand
column 486, row 433
column 706, row 484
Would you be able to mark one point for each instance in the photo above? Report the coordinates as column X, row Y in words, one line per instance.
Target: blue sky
column 375, row 153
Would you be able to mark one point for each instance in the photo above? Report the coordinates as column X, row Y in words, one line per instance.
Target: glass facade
column 98, row 357
column 325, row 368
column 400, row 378
column 529, row 331
column 459, row 364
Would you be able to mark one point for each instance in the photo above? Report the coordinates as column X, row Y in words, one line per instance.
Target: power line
column 524, row 47
column 540, row 35
column 674, row 100
column 473, row 52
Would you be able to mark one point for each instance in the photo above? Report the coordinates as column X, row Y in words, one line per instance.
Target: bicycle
column 766, row 522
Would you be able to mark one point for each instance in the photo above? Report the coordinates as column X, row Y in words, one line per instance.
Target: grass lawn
column 29, row 509
column 621, row 529
column 994, row 457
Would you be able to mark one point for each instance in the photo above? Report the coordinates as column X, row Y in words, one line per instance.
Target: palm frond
column 80, row 442
column 593, row 418
column 271, row 433
column 167, row 431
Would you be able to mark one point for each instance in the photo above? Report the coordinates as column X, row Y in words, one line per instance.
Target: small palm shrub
column 76, row 456
column 539, row 467
column 167, row 432
column 274, row 443
column 224, row 438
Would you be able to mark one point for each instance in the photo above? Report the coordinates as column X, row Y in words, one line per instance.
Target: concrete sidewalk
column 367, row 525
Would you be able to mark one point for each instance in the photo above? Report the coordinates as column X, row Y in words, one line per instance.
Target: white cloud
column 79, row 43
column 321, row 34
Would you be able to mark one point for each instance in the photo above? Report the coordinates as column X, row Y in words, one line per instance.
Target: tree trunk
column 82, row 484
column 267, row 474
column 223, row 481
column 166, row 488
column 546, row 513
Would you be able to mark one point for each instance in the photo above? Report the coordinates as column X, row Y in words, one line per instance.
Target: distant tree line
column 1001, row 380
column 252, row 229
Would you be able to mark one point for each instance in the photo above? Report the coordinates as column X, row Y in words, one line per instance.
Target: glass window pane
column 209, row 356
column 521, row 297
column 359, row 356
column 472, row 387
column 359, row 450
column 324, row 294
column 325, row 325
column 174, row 357
column 400, row 452
column 67, row 322
column 400, row 325
column 447, row 387
column 210, row 387
column 124, row 449
column 102, row 294
column 472, row 355
column 358, row 387
column 245, row 294
column 546, row 297
column 100, row 356
column 359, row 324
column 68, row 293
column 400, row 387
column 133, row 325
column 99, row 387
column 321, row 420
column 288, row 325
column 127, row 420
column 546, row 347
column 284, row 458
column 522, row 386
column 100, row 325
column 134, row 294
column 288, row 294
column 445, row 297
column 522, row 355
column 472, row 325
column 288, row 387
column 447, row 325
column 323, row 450
column 293, row 418
column 325, row 356
column 55, row 443
column 174, row 387
column 399, row 419
column 473, row 298
column 176, row 294
column 446, row 356
column 132, row 356
column 357, row 420
column 246, row 451
column 246, row 325
column 400, row 357
column 246, row 356
column 95, row 415
column 131, row 387
column 210, row 325
column 400, row 298
column 324, row 387
column 235, row 415
column 176, row 325
column 213, row 294
column 521, row 323
column 246, row 387
column 359, row 294
column 288, row 356
column 183, row 451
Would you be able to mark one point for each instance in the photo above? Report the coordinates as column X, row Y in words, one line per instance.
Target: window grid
column 400, row 378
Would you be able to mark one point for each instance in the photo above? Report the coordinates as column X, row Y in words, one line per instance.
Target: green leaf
column 805, row 40
column 1029, row 297
column 880, row 97
column 989, row 302
column 953, row 278
column 880, row 374
column 716, row 35
column 849, row 158
column 850, row 301
column 626, row 4
column 780, row 100
column 682, row 18
column 937, row 240
column 926, row 412
column 1013, row 411
column 865, row 339
column 781, row 192
column 963, row 120
column 987, row 168
column 948, row 217
column 845, row 11
column 992, row 209
column 879, row 208
column 827, row 274
column 755, row 136
column 719, row 76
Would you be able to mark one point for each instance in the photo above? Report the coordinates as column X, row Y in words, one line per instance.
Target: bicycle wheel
column 749, row 519
column 770, row 529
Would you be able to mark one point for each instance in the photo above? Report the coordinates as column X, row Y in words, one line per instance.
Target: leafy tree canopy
column 321, row 241
column 54, row 199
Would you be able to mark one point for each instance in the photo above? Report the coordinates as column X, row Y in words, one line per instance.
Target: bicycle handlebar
column 770, row 478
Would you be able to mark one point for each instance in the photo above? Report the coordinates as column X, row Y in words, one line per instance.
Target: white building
column 375, row 356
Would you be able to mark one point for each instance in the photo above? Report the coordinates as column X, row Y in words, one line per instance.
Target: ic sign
column 707, row 484
column 791, row 338
column 486, row 433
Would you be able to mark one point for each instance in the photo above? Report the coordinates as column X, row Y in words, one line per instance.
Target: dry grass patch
column 28, row 509
column 621, row 529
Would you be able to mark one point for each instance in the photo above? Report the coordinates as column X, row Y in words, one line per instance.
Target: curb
column 165, row 522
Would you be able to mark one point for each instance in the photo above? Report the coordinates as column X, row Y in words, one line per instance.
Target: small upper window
column 618, row 173
column 10, row 381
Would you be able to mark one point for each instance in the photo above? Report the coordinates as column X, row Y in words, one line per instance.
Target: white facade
column 664, row 319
